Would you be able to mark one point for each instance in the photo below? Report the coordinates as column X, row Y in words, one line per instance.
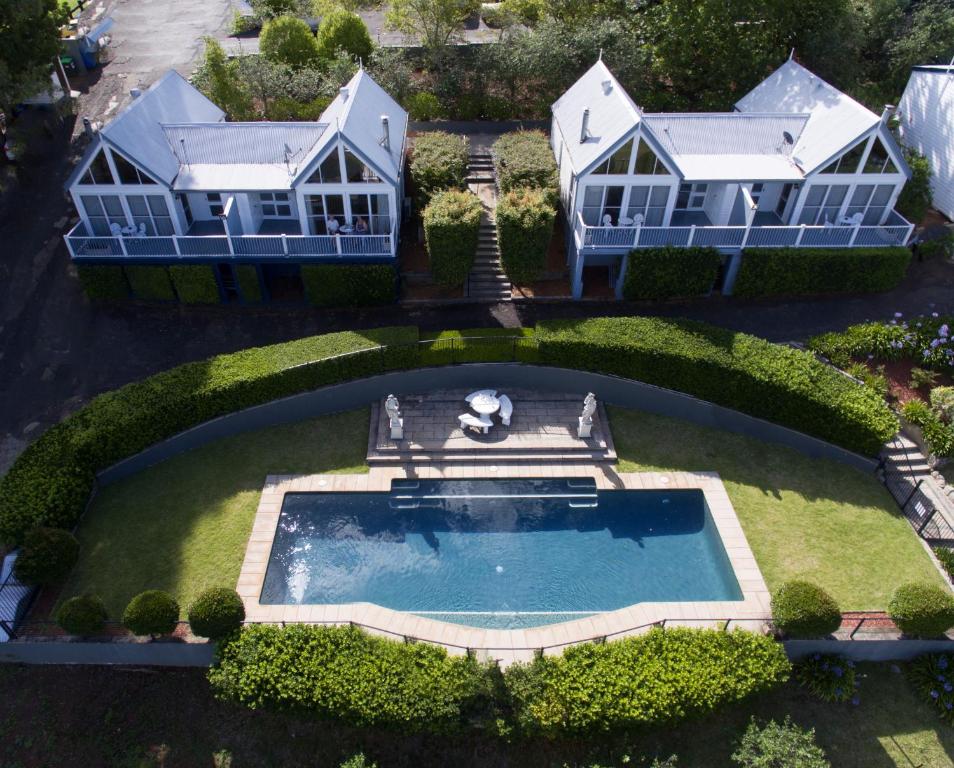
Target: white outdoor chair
column 480, row 423
column 607, row 220
column 625, row 221
column 638, row 220
column 506, row 410
column 479, row 392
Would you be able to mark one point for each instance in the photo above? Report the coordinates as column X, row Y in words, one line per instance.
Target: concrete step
column 488, row 280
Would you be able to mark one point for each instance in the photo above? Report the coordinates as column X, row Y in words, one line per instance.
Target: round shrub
column 152, row 612
column 423, row 106
column 922, row 610
column 82, row 615
column 802, row 609
column 216, row 613
column 287, row 40
column 47, row 556
column 342, row 30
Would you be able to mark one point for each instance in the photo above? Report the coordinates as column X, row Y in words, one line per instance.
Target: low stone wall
column 161, row 654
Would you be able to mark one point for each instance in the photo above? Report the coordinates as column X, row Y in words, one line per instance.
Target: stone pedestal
column 397, row 429
column 584, row 427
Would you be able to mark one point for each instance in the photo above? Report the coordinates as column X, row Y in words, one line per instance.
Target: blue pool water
column 500, row 553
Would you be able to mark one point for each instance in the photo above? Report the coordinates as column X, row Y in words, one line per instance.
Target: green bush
column 82, row 615
column 423, row 107
column 342, row 30
column 348, row 285
column 288, row 40
column 250, row 289
column 451, row 226
column 915, row 198
column 932, row 676
column 922, row 610
column 802, row 609
column 345, row 674
column 438, row 161
column 216, row 612
column 939, row 436
column 150, row 283
column 152, row 612
column 498, row 17
column 794, row 271
column 659, row 677
column 945, row 557
column 777, row 745
column 50, row 482
column 525, row 159
column 880, row 340
column 524, row 229
column 46, row 557
column 941, row 248
column 769, row 381
column 358, row 761
column 285, row 108
column 830, row 678
column 670, row 272
column 195, row 284
column 103, row 282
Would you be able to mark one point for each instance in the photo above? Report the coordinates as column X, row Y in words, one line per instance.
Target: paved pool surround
column 508, row 645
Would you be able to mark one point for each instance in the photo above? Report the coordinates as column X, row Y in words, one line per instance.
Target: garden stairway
column 487, row 280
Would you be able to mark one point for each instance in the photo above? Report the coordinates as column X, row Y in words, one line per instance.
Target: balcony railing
column 896, row 231
column 224, row 247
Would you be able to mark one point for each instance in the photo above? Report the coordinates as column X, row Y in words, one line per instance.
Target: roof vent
column 585, row 127
column 344, row 94
column 135, row 92
column 889, row 110
column 386, row 133
column 607, row 86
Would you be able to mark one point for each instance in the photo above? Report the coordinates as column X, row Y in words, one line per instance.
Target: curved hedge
column 751, row 375
column 451, row 228
column 524, row 229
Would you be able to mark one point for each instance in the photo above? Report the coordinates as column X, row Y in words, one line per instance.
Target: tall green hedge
column 773, row 382
column 103, row 282
column 150, row 283
column 51, row 480
column 438, row 161
column 246, row 275
column 525, row 159
column 524, row 229
column 670, row 272
column 348, row 285
column 451, row 227
column 195, row 283
column 793, row 271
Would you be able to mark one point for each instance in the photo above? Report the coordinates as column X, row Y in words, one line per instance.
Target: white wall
column 926, row 114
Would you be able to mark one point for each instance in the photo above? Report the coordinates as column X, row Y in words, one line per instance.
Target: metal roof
column 243, row 143
column 727, row 133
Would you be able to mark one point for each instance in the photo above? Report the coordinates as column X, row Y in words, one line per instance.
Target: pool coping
column 751, row 612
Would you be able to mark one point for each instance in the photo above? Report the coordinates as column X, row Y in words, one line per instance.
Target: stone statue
column 585, row 426
column 395, row 421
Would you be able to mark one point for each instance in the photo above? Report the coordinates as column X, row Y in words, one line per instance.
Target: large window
column 102, row 211
column 98, row 171
column 822, row 204
column 691, row 196
column 848, row 162
column 326, row 213
column 649, row 203
column 870, row 202
column 357, row 171
column 369, row 214
column 275, row 205
column 647, row 162
column 618, row 162
column 328, row 171
column 152, row 212
column 879, row 161
column 216, row 206
column 602, row 206
column 129, row 173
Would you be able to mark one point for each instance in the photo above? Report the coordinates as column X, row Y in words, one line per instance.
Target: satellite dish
column 788, row 137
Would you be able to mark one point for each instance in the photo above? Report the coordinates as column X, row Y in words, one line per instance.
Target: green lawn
column 183, row 525
column 803, row 517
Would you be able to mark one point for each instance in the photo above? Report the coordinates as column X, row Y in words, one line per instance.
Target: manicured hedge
column 773, row 382
column 82, row 615
column 525, row 159
column 46, row 557
column 348, row 285
column 216, row 613
column 345, row 674
column 524, row 230
column 451, row 227
column 150, row 283
column 51, row 480
column 438, row 161
column 152, row 612
column 195, row 283
column 922, row 610
column 670, row 272
column 661, row 677
column 803, row 609
column 246, row 276
column 793, row 271
column 103, row 282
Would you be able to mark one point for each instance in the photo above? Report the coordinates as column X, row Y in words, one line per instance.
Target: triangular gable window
column 129, row 173
column 357, row 171
column 618, row 162
column 848, row 162
column 98, row 171
column 329, row 171
column 879, row 161
column 647, row 163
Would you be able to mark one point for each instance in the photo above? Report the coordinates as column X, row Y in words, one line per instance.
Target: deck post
column 854, row 234
column 692, row 235
column 801, row 232
column 175, row 245
column 636, row 235
column 284, row 244
column 122, row 245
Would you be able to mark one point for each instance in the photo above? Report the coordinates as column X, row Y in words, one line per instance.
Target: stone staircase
column 480, row 168
column 487, row 280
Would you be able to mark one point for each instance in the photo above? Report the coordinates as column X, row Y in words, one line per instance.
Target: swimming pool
column 498, row 553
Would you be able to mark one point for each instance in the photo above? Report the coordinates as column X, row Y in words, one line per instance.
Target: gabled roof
column 836, row 121
column 613, row 115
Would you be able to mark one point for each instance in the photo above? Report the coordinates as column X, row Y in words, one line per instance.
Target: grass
column 183, row 525
column 804, row 518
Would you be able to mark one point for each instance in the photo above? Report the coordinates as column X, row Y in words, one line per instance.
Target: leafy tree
column 777, row 745
column 927, row 37
column 218, row 79
column 271, row 9
column 29, row 39
column 915, row 198
column 436, row 23
column 287, row 40
column 342, row 30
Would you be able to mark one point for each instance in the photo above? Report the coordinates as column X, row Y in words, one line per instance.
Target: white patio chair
column 479, row 392
column 625, row 221
column 607, row 220
column 638, row 220
column 506, row 410
column 480, row 423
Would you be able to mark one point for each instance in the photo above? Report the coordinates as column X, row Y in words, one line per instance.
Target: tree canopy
column 29, row 39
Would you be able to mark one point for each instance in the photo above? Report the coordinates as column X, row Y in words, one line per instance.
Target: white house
column 798, row 163
column 168, row 180
column 926, row 116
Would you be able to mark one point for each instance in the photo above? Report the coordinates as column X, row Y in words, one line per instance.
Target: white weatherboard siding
column 926, row 113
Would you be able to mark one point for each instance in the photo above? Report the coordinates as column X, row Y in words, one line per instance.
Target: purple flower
column 817, row 657
column 943, row 330
column 934, row 314
column 855, row 700
column 838, row 692
column 899, row 314
column 948, row 687
column 935, row 342
column 948, row 705
column 934, row 694
column 850, row 664
column 942, row 662
column 838, row 671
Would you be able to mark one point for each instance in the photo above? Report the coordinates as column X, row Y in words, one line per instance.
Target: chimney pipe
column 585, row 127
column 386, row 130
column 344, row 93
column 135, row 92
column 887, row 114
column 88, row 128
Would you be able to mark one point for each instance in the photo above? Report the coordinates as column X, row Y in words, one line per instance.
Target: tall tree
column 435, row 23
column 29, row 39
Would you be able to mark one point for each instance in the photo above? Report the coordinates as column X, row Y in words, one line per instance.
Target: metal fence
column 916, row 504
column 15, row 601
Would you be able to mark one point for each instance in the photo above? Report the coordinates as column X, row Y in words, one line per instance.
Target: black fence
column 900, row 477
column 15, row 600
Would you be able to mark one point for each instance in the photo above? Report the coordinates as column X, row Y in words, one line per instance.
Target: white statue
column 395, row 421
column 585, row 425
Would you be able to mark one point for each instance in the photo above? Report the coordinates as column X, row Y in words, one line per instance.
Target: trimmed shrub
column 830, row 678
column 150, row 283
column 285, row 108
column 938, row 435
column 933, row 677
column 751, row 375
column 525, row 159
column 423, row 107
column 216, row 612
column 922, row 610
column 794, row 271
column 103, row 282
column 881, row 340
column 659, row 677
column 451, row 226
column 945, row 557
column 777, row 745
column 250, row 289
column 288, row 40
column 348, row 285
column 939, row 248
column 670, row 272
column 524, row 229
column 46, row 557
column 342, row 30
column 438, row 161
column 51, row 480
column 195, row 283
column 82, row 615
column 345, row 674
column 802, row 609
column 152, row 612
